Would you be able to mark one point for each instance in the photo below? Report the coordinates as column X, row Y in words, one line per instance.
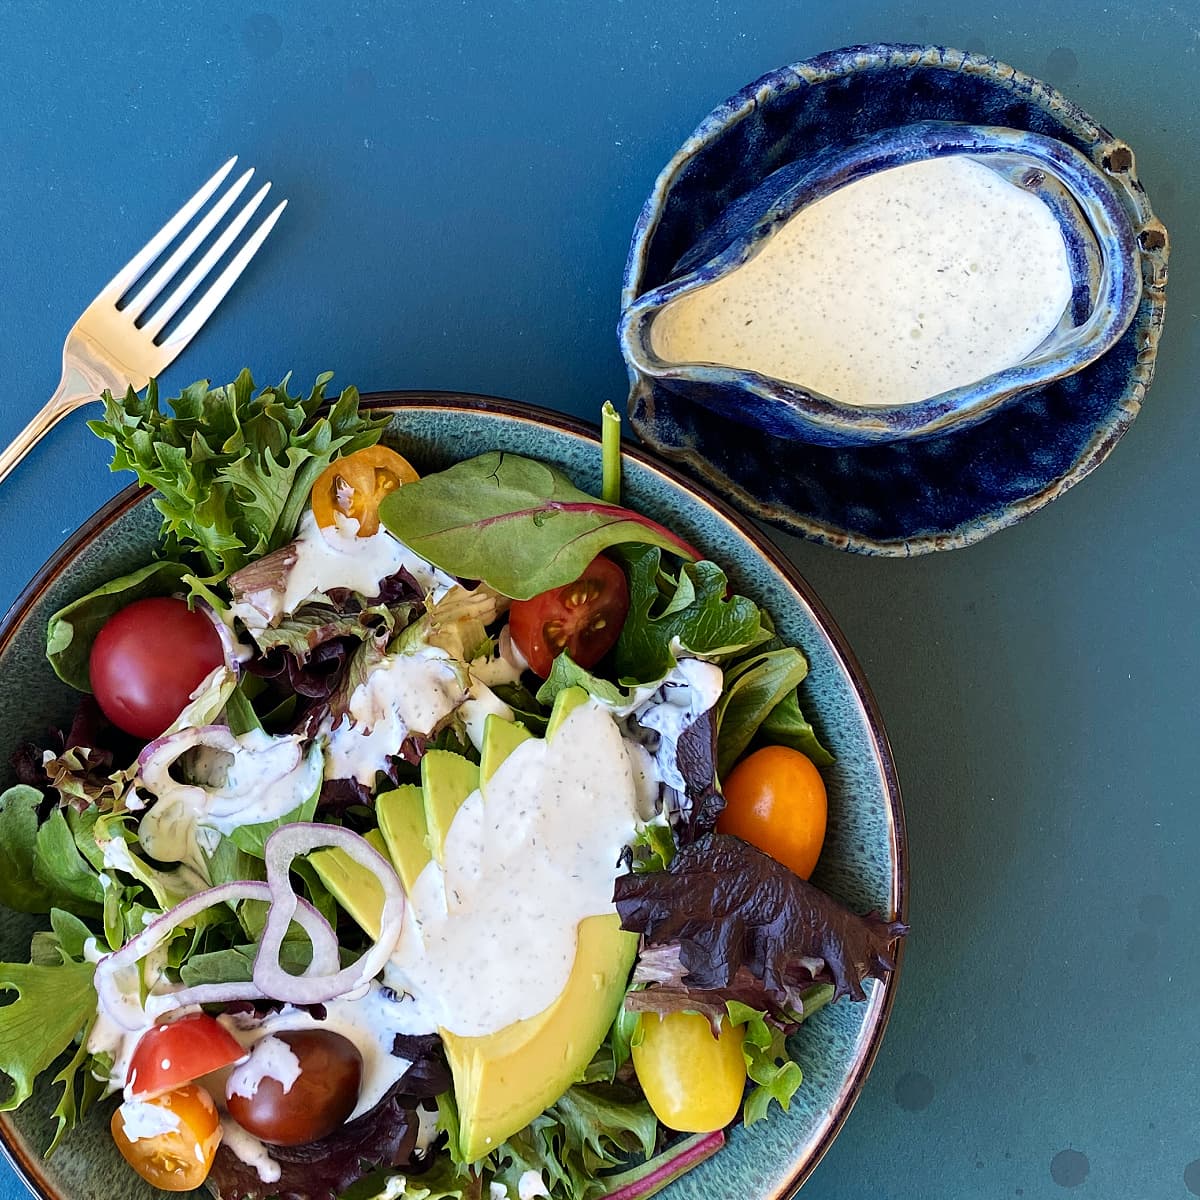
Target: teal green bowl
column 864, row 862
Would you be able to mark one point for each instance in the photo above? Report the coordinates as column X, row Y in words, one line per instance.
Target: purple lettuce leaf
column 727, row 905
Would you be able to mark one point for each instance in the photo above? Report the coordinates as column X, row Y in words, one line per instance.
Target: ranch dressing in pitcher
column 901, row 285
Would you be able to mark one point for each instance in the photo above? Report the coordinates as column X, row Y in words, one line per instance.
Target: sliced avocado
column 447, row 779
column 504, row 1080
column 401, row 814
column 353, row 886
column 500, row 739
column 565, row 703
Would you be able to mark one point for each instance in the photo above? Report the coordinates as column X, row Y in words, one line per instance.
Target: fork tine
column 129, row 273
column 175, row 301
column 189, row 326
column 151, row 289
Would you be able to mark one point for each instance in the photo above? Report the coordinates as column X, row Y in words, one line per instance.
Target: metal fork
column 107, row 349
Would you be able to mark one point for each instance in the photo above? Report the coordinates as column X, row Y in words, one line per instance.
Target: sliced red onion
column 234, row 651
column 154, row 762
column 325, row 958
column 285, row 844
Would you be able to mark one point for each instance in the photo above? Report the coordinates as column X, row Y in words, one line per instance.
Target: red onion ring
column 325, row 959
column 287, row 843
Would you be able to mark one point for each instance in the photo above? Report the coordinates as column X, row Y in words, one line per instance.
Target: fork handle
column 75, row 389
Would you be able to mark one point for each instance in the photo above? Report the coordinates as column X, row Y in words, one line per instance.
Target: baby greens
column 232, row 469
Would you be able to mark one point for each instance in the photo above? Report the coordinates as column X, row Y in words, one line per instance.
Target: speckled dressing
column 908, row 282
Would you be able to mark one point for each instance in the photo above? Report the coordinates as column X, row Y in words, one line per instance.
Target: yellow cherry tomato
column 693, row 1081
column 356, row 485
column 775, row 800
column 171, row 1140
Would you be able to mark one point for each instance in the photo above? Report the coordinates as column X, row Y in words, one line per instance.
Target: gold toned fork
column 106, row 348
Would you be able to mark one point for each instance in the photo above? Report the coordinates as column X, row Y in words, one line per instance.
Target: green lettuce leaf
column 71, row 631
column 786, row 725
column 41, row 866
column 753, row 688
column 232, row 469
column 774, row 1075
column 693, row 611
column 519, row 525
column 53, row 1004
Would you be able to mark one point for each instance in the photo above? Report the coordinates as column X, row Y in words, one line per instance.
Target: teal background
column 464, row 178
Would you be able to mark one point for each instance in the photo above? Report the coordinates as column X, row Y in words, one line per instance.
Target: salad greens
column 725, row 931
column 232, row 469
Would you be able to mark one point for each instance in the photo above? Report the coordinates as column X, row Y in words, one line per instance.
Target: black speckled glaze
column 864, row 862
column 904, row 497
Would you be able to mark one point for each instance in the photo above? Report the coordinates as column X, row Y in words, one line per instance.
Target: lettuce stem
column 610, row 454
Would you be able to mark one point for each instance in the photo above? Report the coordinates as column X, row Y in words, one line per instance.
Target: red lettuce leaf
column 383, row 1137
column 727, row 905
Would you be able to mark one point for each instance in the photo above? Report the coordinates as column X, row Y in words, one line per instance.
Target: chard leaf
column 693, row 611
column 519, row 525
column 232, row 469
column 786, row 725
column 753, row 689
column 727, row 905
column 71, row 631
column 52, row 1005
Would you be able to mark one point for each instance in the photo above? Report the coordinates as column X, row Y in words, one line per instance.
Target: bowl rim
column 29, row 1167
column 827, row 420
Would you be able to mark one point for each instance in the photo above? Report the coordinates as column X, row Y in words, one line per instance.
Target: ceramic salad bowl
column 864, row 862
column 1102, row 254
column 906, row 496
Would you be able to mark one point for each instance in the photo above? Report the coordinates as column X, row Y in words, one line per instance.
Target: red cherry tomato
column 148, row 659
column 320, row 1099
column 584, row 618
column 171, row 1055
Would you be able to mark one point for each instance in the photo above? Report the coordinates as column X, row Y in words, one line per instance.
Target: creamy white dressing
column 686, row 693
column 243, row 780
column 271, row 1058
column 531, row 1185
column 319, row 560
column 901, row 285
column 249, row 1150
column 370, row 1022
column 405, row 693
column 526, row 859
column 141, row 1120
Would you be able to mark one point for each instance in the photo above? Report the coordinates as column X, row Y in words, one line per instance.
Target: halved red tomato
column 584, row 618
column 356, row 485
column 171, row 1055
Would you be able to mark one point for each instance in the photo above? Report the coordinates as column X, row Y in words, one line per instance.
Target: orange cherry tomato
column 356, row 485
column 170, row 1140
column 178, row 1052
column 775, row 800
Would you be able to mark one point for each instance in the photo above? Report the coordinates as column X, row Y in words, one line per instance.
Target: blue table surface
column 463, row 180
